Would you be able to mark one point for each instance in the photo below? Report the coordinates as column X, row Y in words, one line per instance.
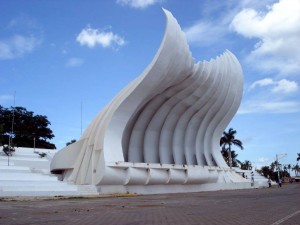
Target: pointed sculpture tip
column 227, row 52
column 165, row 10
column 167, row 13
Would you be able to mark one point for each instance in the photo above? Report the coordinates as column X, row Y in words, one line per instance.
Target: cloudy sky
column 60, row 55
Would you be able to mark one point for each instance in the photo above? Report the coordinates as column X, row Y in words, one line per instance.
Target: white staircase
column 259, row 180
column 28, row 174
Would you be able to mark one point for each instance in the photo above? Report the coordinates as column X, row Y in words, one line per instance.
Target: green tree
column 225, row 154
column 227, row 140
column 266, row 171
column 296, row 168
column 26, row 127
column 246, row 165
column 271, row 171
column 289, row 168
column 1, row 133
column 273, row 165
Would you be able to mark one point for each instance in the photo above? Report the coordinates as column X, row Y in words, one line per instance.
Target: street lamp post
column 277, row 167
column 10, row 138
column 277, row 157
column 34, row 145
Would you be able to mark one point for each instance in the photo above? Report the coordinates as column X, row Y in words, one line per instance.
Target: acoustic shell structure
column 162, row 132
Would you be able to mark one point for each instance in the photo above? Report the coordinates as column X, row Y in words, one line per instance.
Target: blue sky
column 59, row 55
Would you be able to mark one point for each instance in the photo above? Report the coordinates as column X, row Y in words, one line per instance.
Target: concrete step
column 30, row 156
column 22, row 176
column 23, row 183
column 42, row 171
column 72, row 188
column 87, row 190
column 21, row 158
column 5, row 163
column 13, row 169
column 37, row 163
column 37, row 193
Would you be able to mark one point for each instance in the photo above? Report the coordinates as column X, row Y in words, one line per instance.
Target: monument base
column 162, row 189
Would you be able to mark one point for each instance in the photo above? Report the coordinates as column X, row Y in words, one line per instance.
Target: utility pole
column 277, row 157
column 12, row 130
column 34, row 145
column 81, row 119
column 277, row 167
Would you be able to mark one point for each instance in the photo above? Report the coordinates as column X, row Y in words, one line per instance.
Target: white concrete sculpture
column 162, row 132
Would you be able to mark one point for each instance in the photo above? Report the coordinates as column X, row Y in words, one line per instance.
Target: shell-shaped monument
column 162, row 132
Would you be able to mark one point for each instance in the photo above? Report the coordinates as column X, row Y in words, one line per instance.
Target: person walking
column 252, row 178
column 269, row 182
column 279, row 182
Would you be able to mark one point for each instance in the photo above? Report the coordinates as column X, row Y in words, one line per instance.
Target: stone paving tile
column 254, row 206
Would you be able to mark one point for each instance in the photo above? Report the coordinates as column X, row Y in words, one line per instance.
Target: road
column 266, row 206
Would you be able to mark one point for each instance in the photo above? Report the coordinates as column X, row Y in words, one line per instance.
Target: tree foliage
column 26, row 127
column 272, row 171
column 227, row 140
column 246, row 165
column 296, row 168
column 234, row 160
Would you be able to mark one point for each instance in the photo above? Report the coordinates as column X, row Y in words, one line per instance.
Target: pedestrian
column 279, row 182
column 269, row 182
column 243, row 175
column 252, row 178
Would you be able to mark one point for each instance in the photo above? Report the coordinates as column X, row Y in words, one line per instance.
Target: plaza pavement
column 266, row 206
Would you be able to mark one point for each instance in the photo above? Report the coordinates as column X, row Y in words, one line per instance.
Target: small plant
column 42, row 154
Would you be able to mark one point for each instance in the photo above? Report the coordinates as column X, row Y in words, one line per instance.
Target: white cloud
column 277, row 31
column 17, row 46
column 271, row 97
column 285, row 86
column 269, row 106
column 74, row 62
column 263, row 159
column 218, row 15
column 92, row 37
column 261, row 83
column 204, row 33
column 6, row 98
column 281, row 86
column 141, row 4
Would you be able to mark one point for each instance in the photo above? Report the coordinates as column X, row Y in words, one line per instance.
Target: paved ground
column 270, row 206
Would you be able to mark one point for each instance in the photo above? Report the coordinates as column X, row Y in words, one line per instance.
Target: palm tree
column 235, row 161
column 298, row 157
column 285, row 171
column 229, row 139
column 296, row 168
column 289, row 168
column 273, row 166
column 277, row 165
column 246, row 165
